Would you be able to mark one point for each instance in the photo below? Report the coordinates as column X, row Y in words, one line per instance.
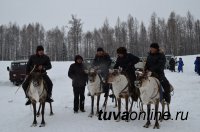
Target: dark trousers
column 166, row 86
column 131, row 88
column 172, row 68
column 46, row 79
column 79, row 98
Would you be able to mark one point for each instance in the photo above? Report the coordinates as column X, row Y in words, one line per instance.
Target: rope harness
column 25, row 79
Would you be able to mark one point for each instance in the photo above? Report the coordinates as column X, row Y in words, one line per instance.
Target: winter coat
column 180, row 64
column 103, row 60
column 197, row 65
column 77, row 74
column 38, row 60
column 103, row 63
column 156, row 63
column 127, row 63
column 172, row 62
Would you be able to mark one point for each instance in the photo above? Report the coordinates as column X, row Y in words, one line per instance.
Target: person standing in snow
column 197, row 65
column 156, row 64
column 180, row 65
column 172, row 64
column 79, row 79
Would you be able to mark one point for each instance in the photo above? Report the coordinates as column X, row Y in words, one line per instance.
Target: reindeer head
column 92, row 73
column 113, row 73
column 141, row 77
column 36, row 78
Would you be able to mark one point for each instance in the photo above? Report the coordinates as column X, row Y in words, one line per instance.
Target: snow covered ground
column 16, row 117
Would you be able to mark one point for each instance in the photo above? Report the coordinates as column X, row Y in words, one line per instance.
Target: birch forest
column 178, row 35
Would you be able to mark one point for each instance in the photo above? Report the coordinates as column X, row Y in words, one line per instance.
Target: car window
column 18, row 65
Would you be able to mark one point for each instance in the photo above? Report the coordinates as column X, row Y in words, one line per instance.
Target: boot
column 88, row 94
column 49, row 99
column 28, row 102
column 167, row 97
column 82, row 110
column 106, row 89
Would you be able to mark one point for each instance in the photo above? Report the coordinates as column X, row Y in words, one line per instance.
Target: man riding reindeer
column 127, row 62
column 39, row 62
column 156, row 63
column 102, row 62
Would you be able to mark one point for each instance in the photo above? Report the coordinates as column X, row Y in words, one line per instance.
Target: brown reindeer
column 51, row 110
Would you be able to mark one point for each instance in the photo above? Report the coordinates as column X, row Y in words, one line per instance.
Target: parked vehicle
column 17, row 72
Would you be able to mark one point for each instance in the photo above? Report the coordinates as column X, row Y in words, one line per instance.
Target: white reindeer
column 120, row 85
column 95, row 89
column 150, row 89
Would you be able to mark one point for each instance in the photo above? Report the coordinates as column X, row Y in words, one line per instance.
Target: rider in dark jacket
column 127, row 62
column 102, row 62
column 156, row 64
column 79, row 78
column 39, row 62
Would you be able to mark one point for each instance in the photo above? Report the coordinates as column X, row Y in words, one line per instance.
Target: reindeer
column 120, row 84
column 37, row 93
column 51, row 110
column 95, row 89
column 150, row 93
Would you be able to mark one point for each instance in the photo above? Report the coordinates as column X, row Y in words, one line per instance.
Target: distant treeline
column 178, row 36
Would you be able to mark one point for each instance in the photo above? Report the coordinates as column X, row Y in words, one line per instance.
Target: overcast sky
column 52, row 13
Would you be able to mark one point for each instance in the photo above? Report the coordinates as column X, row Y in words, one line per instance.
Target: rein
column 101, row 81
column 25, row 79
column 125, row 88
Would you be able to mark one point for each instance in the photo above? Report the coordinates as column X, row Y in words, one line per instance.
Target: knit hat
column 121, row 50
column 100, row 49
column 78, row 57
column 40, row 48
column 154, row 45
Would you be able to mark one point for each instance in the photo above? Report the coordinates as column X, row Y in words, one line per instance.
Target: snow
column 16, row 117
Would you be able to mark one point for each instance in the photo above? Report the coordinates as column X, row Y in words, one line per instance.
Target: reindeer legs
column 105, row 103
column 98, row 100
column 92, row 107
column 148, row 123
column 157, row 126
column 51, row 110
column 126, row 101
column 38, row 112
column 43, row 122
column 119, row 108
column 34, row 113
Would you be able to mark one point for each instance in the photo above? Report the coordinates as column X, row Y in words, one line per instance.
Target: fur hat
column 154, row 45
